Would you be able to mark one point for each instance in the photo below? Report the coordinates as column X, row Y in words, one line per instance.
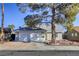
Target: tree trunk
column 2, row 24
column 53, row 26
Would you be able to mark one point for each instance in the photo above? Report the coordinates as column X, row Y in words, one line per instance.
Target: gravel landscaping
column 36, row 46
column 64, row 43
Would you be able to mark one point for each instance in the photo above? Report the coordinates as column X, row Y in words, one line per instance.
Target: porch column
column 45, row 35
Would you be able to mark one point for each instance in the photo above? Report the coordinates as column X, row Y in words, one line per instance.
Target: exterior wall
column 49, row 36
column 17, row 36
column 59, row 36
column 73, row 36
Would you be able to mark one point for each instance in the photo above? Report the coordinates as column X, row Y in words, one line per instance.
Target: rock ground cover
column 58, row 45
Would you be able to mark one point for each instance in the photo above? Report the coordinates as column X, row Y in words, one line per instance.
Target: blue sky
column 76, row 22
column 14, row 16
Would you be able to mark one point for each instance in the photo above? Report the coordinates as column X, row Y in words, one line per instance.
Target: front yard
column 65, row 42
column 16, row 45
column 35, row 46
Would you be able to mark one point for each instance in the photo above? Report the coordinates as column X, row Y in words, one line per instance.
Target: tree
column 2, row 24
column 61, row 8
column 39, row 7
column 70, row 14
column 32, row 20
column 11, row 27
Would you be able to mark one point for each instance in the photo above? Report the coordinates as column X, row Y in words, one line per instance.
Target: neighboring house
column 59, row 29
column 7, row 32
column 73, row 35
column 27, row 34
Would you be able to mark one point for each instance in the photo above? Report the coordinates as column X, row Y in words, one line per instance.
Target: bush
column 8, row 37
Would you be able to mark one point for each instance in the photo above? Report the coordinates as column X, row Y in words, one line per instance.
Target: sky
column 76, row 22
column 14, row 16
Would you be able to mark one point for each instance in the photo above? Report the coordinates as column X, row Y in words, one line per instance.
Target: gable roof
column 30, row 29
column 59, row 28
column 76, row 28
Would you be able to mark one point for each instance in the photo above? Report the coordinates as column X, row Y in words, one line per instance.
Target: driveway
column 34, row 46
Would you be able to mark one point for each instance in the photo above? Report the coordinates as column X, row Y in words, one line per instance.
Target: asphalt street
column 39, row 53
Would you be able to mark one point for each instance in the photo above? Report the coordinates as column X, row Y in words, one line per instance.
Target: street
column 39, row 53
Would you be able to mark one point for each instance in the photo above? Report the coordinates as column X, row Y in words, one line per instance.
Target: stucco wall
column 59, row 36
column 49, row 36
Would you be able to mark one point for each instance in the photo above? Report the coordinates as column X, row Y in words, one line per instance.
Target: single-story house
column 28, row 34
column 73, row 35
column 7, row 32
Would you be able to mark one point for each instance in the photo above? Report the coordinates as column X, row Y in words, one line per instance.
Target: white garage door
column 36, row 37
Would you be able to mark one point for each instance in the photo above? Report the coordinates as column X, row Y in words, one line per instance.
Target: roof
column 59, row 28
column 76, row 28
column 29, row 29
column 46, row 22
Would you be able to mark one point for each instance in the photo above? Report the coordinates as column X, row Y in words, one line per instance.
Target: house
column 7, row 32
column 28, row 34
column 59, row 30
column 41, row 33
column 73, row 35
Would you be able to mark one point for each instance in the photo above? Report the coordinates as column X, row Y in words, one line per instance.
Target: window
column 75, row 34
column 72, row 34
